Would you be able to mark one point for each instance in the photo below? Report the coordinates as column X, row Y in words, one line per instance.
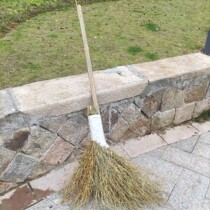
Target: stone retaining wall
column 44, row 125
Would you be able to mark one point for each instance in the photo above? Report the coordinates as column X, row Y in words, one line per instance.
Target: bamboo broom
column 102, row 177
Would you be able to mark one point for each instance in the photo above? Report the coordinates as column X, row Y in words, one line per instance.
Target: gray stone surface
column 203, row 150
column 17, row 140
column 189, row 191
column 186, row 145
column 40, row 169
column 75, row 129
column 208, row 193
column 6, row 186
column 158, row 168
column 194, row 78
column 201, row 106
column 162, row 119
column 165, row 173
column 53, row 202
column 11, row 123
column 105, row 116
column 1, row 141
column 205, row 138
column 172, row 98
column 152, row 104
column 19, row 169
column 114, row 117
column 119, row 130
column 139, row 101
column 131, row 114
column 187, row 160
column 54, row 124
column 141, row 127
column 57, row 199
column 38, row 142
column 208, row 92
column 58, row 152
column 157, row 153
column 184, row 113
column 156, row 86
column 196, row 92
column 206, row 204
column 120, row 106
column 160, row 207
column 47, row 204
column 6, row 104
column 6, row 156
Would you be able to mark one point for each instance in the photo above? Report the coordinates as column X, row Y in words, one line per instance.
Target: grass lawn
column 119, row 33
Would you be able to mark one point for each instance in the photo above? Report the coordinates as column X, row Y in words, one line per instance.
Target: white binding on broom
column 96, row 130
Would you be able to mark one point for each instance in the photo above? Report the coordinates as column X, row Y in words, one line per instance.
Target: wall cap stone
column 6, row 104
column 196, row 63
column 70, row 94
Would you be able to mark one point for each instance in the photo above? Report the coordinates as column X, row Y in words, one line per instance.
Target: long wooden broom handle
column 88, row 61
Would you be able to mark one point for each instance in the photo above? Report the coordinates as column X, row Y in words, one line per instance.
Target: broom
column 102, row 177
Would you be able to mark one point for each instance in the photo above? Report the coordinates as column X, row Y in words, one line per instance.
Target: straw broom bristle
column 110, row 181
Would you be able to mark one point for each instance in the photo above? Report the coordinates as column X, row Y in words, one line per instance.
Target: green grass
column 13, row 12
column 204, row 116
column 119, row 33
column 152, row 56
column 152, row 27
column 134, row 50
column 17, row 11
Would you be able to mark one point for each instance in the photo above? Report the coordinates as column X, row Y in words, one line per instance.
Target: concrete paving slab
column 208, row 193
column 165, row 173
column 189, row 191
column 205, row 138
column 157, row 153
column 52, row 182
column 202, row 127
column 167, row 207
column 6, row 186
column 135, row 147
column 178, row 133
column 187, row 160
column 47, row 205
column 203, row 150
column 183, row 174
column 57, row 199
column 120, row 151
column 186, row 145
column 17, row 199
column 206, row 204
column 158, row 168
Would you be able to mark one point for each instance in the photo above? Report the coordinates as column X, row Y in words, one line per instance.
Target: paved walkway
column 178, row 157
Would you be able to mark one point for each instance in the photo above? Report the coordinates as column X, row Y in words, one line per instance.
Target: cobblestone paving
column 181, row 165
